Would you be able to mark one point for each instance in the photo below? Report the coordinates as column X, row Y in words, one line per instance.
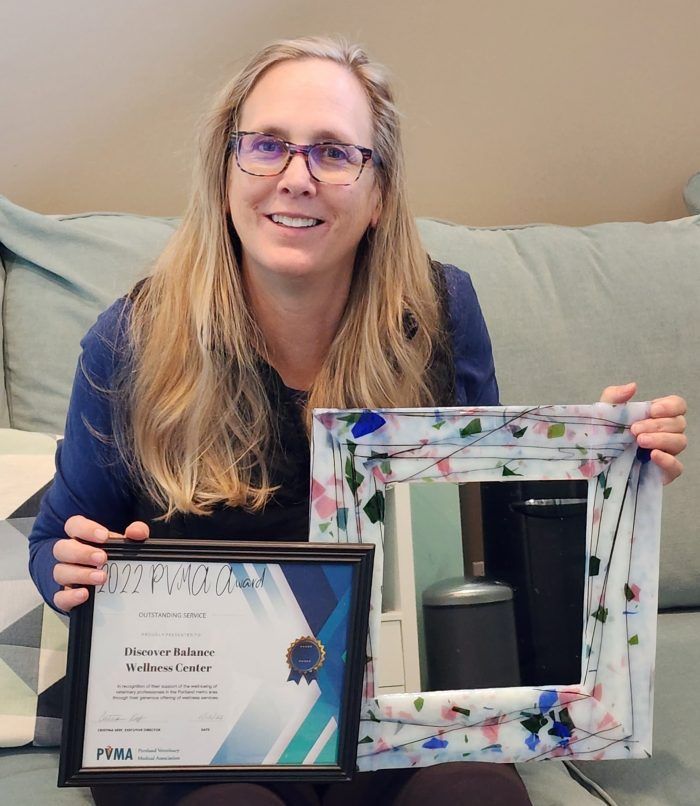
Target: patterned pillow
column 33, row 637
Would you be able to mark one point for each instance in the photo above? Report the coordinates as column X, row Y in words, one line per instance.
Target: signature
column 106, row 716
column 210, row 716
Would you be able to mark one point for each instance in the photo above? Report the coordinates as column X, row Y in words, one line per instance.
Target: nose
column 296, row 179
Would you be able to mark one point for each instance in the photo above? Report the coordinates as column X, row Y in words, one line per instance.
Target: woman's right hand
column 80, row 564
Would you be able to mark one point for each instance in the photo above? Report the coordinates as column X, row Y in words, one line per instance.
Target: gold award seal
column 305, row 656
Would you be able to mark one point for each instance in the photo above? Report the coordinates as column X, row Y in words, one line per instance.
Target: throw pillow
column 33, row 637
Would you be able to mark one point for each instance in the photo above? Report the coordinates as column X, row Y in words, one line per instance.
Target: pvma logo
column 114, row 753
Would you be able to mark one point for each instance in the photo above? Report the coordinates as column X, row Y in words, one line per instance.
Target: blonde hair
column 194, row 420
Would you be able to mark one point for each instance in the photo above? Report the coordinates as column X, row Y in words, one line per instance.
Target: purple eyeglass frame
column 295, row 148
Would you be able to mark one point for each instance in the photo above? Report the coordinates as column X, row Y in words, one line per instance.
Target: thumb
column 138, row 530
column 618, row 394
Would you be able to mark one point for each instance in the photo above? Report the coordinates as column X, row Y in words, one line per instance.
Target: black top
column 286, row 515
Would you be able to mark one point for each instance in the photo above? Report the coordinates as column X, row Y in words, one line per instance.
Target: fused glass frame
column 357, row 454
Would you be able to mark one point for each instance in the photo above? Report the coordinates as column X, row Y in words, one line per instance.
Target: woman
column 296, row 280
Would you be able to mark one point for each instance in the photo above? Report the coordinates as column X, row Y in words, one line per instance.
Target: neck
column 299, row 320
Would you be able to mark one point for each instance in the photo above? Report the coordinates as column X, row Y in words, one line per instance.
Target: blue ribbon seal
column 305, row 657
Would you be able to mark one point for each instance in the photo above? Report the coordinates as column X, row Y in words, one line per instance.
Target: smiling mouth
column 294, row 222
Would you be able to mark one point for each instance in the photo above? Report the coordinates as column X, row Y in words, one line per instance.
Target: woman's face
column 304, row 102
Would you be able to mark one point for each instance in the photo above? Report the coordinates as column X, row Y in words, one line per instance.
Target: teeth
column 295, row 222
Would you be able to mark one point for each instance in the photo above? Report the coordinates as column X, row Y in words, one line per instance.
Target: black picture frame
column 73, row 771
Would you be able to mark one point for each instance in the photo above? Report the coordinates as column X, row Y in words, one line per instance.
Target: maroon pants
column 469, row 783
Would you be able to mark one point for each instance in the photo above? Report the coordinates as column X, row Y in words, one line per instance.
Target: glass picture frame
column 358, row 454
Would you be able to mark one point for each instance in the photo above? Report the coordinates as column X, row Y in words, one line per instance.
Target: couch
column 570, row 310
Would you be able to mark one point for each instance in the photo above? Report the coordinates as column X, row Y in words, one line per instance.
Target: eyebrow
column 319, row 135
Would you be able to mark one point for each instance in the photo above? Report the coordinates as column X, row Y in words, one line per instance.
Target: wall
column 437, row 546
column 569, row 112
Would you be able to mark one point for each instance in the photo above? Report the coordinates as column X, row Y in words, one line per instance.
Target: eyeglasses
column 263, row 154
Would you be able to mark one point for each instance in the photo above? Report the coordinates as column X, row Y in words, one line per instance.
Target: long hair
column 193, row 422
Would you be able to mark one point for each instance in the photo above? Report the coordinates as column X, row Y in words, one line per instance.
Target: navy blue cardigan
column 91, row 480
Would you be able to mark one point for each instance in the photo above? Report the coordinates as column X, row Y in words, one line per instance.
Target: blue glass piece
column 643, row 455
column 435, row 743
column 369, row 421
column 547, row 700
column 532, row 741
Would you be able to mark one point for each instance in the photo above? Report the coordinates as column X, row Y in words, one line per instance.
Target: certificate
column 218, row 660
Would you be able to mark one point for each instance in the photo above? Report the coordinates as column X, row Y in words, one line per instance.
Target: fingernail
column 100, row 534
column 644, row 439
column 98, row 558
column 81, row 594
column 97, row 576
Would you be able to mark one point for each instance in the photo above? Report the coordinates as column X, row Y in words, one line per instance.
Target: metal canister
column 470, row 635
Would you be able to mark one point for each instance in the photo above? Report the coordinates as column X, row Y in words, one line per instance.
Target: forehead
column 307, row 100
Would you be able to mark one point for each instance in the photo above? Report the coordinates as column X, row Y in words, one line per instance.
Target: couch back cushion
column 691, row 194
column 4, row 411
column 61, row 272
column 572, row 310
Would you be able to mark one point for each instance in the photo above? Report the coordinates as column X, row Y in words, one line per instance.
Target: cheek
column 243, row 196
column 364, row 214
column 366, row 203
column 233, row 198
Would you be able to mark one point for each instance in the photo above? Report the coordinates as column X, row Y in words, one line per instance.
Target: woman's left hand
column 663, row 433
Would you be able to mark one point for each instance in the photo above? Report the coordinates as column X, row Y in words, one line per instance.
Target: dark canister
column 470, row 634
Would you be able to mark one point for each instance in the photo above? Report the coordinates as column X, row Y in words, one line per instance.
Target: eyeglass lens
column 265, row 155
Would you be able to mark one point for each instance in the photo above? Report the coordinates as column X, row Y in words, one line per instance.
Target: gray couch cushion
column 572, row 310
column 28, row 778
column 691, row 194
column 672, row 774
column 61, row 273
column 4, row 412
column 549, row 783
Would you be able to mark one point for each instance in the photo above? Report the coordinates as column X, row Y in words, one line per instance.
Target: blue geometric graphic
column 322, row 593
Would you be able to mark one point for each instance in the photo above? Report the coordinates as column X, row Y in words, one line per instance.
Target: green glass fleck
column 474, row 427
column 374, row 508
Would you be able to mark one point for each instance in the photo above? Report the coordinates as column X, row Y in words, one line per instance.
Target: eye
column 267, row 145
column 333, row 152
column 261, row 146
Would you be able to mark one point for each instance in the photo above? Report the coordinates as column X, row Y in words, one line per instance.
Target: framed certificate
column 218, row 661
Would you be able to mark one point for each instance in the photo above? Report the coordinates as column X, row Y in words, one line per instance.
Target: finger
column 138, row 530
column 618, row 394
column 82, row 528
column 669, row 406
column 68, row 574
column 672, row 467
column 77, row 553
column 68, row 598
column 674, row 425
column 670, row 443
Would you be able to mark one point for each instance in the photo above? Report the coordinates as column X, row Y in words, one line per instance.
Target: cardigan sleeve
column 90, row 479
column 475, row 373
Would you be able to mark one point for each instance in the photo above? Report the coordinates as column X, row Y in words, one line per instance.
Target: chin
column 295, row 268
column 295, row 265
